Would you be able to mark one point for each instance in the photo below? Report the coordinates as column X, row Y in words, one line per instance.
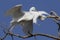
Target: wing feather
column 15, row 11
column 27, row 26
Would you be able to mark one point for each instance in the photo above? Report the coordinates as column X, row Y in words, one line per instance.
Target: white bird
column 25, row 18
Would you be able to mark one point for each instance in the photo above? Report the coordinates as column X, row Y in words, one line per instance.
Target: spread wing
column 27, row 26
column 15, row 11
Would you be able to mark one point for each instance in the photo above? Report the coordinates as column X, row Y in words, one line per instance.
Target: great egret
column 25, row 18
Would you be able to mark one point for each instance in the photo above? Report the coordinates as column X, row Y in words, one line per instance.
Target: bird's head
column 32, row 9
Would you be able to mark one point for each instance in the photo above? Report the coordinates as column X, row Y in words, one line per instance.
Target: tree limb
column 41, row 34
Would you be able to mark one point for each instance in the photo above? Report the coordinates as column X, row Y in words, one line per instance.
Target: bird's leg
column 11, row 28
column 35, row 20
column 12, row 25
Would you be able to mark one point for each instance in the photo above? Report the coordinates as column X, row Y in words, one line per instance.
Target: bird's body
column 26, row 18
column 33, row 15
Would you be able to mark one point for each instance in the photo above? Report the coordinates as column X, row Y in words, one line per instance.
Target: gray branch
column 41, row 34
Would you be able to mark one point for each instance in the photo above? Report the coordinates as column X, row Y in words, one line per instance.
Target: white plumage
column 33, row 14
column 25, row 18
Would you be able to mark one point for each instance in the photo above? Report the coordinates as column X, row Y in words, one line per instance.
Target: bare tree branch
column 4, row 36
column 41, row 34
column 28, row 36
column 32, row 35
